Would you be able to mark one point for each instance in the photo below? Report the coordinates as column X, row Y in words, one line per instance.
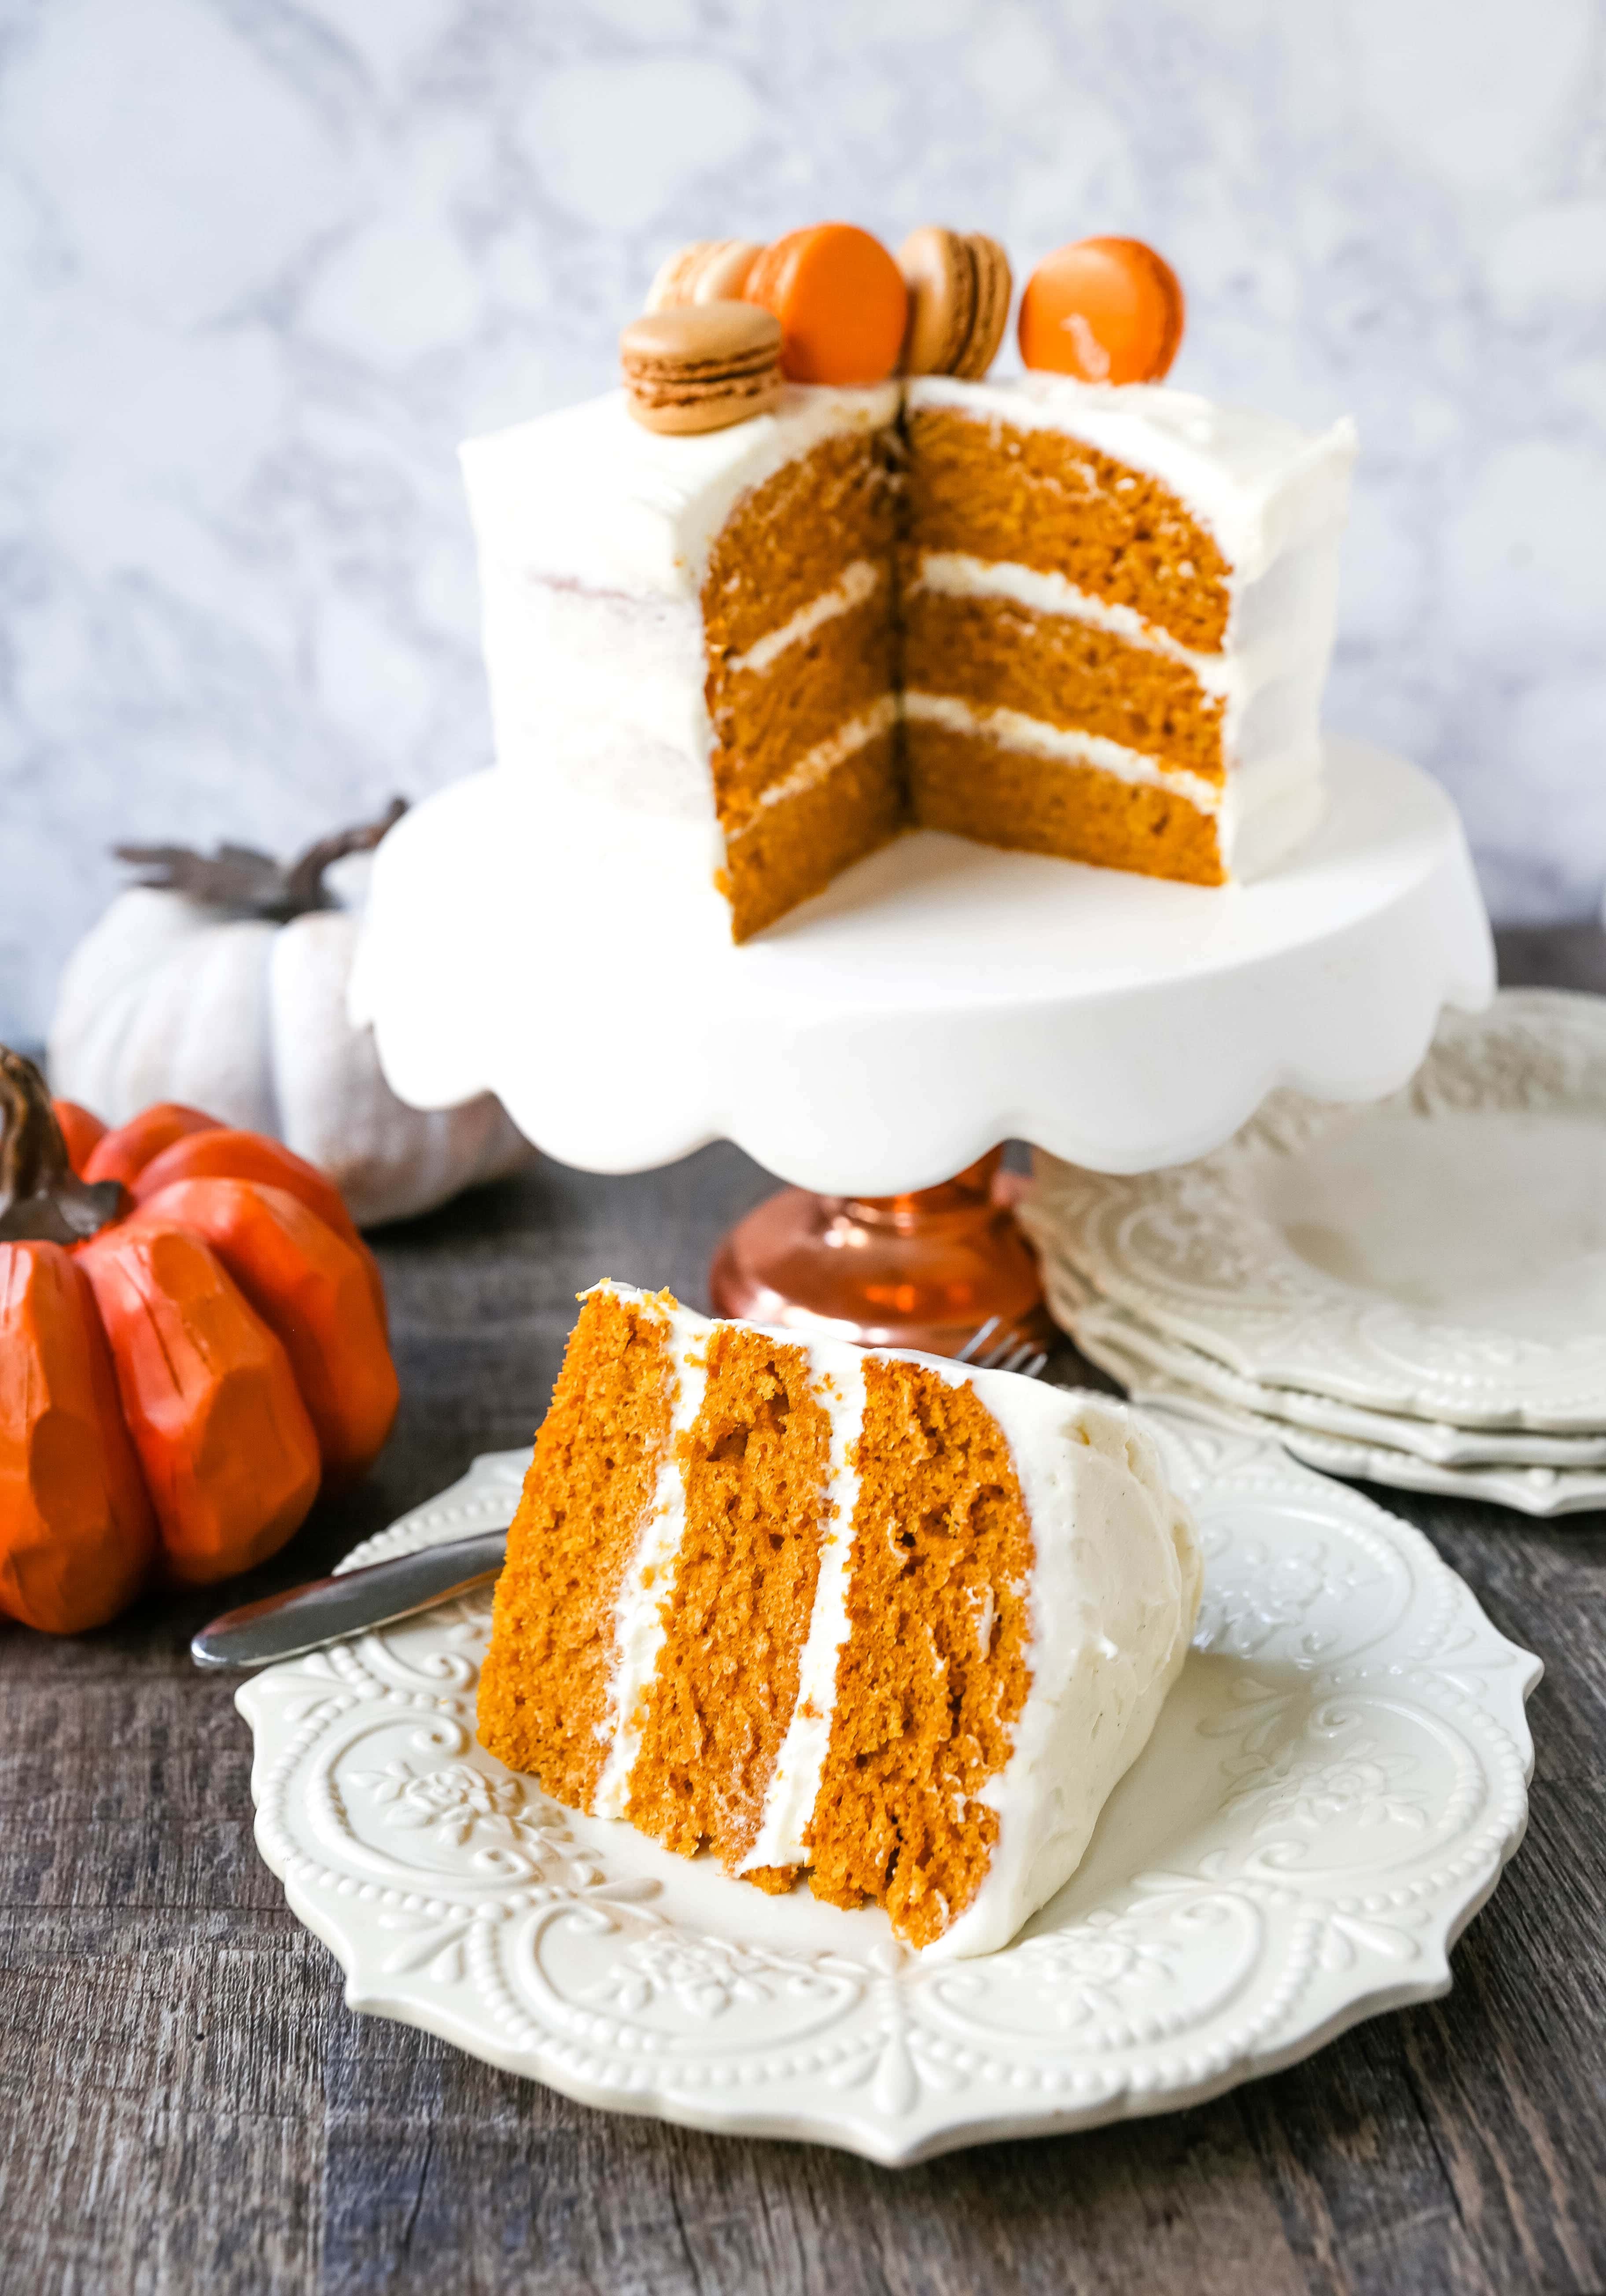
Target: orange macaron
column 1106, row 310
column 840, row 300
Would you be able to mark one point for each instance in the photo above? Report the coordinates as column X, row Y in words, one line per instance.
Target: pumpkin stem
column 305, row 875
column 42, row 1199
column 238, row 877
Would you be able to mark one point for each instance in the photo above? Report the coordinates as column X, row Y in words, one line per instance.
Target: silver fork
column 1024, row 1356
column 327, row 1611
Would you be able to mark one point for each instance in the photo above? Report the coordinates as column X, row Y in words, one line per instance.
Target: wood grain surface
column 185, row 2103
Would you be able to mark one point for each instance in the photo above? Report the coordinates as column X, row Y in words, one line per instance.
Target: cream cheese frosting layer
column 838, row 1378
column 1270, row 690
column 955, row 574
column 1235, row 672
column 824, row 759
column 859, row 581
column 1013, row 730
column 638, row 1617
column 1263, row 809
column 1260, row 484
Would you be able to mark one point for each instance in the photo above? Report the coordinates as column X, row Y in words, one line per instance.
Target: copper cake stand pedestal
column 922, row 1270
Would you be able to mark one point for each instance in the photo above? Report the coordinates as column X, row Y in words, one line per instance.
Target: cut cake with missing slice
column 1075, row 621
column 877, row 1616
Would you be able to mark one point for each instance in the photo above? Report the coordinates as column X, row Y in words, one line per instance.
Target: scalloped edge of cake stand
column 940, row 997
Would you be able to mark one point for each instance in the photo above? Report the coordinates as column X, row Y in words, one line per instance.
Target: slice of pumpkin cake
column 874, row 1616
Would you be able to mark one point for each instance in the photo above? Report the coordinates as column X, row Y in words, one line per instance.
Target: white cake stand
column 941, row 997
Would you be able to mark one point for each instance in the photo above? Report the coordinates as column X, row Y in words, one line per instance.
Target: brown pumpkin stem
column 42, row 1199
column 254, row 884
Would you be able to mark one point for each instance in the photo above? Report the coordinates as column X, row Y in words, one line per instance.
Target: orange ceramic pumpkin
column 191, row 1340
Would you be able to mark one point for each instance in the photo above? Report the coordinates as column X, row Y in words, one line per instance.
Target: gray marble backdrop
column 263, row 262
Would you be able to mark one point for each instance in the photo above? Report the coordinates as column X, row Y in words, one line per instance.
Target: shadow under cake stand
column 941, row 997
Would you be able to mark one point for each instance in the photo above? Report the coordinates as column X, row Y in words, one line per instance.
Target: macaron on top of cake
column 1106, row 310
column 959, row 286
column 840, row 300
column 828, row 305
column 700, row 366
column 707, row 271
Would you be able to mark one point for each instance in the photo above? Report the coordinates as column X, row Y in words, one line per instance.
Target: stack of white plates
column 1412, row 1292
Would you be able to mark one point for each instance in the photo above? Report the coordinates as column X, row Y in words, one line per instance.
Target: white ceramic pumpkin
column 220, row 982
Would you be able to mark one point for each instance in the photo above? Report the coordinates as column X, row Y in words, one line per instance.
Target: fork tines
column 1007, row 1354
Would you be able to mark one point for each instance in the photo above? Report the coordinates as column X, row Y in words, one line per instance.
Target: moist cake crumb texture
column 934, row 1673
column 592, row 1485
column 799, row 1607
column 738, row 1605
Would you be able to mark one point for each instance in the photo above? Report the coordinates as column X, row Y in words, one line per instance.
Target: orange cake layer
column 796, row 1605
column 768, row 713
column 738, row 1603
column 599, row 1456
column 789, row 539
column 974, row 786
column 784, row 852
column 1061, row 671
column 934, row 1673
column 800, row 636
column 1040, row 498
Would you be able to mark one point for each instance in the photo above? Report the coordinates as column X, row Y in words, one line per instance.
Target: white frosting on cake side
column 594, row 536
column 587, row 495
column 1112, row 1604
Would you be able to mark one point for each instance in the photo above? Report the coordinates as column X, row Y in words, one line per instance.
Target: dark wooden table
column 186, row 2103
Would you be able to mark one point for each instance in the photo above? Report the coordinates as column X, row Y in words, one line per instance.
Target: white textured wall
column 262, row 262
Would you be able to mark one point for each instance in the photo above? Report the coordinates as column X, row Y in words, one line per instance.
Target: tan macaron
column 995, row 284
column 707, row 271
column 702, row 367
column 959, row 287
column 940, row 274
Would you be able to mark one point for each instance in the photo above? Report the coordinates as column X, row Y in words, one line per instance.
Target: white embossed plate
column 1092, row 1322
column 1441, row 1253
column 1536, row 1490
column 1330, row 1795
column 1546, row 1475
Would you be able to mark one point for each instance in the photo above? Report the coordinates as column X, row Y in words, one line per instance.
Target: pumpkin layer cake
column 1087, row 621
column 878, row 1617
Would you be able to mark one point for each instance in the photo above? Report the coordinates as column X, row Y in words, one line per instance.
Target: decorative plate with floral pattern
column 1330, row 1796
